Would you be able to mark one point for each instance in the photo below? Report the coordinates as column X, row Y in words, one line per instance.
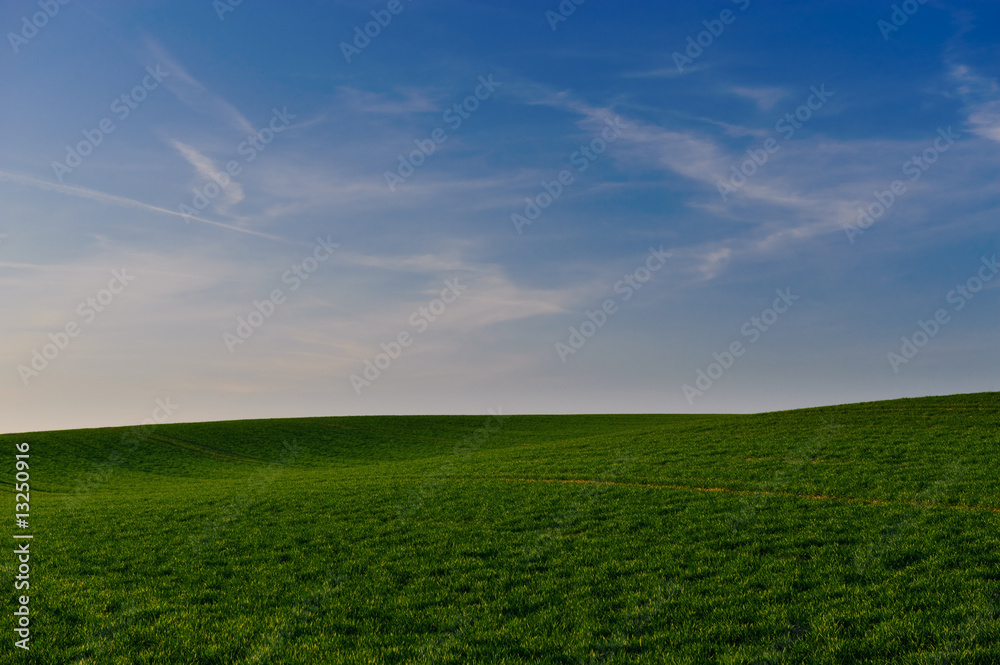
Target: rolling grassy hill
column 857, row 533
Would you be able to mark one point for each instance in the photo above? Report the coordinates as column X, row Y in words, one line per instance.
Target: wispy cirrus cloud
column 764, row 98
column 207, row 170
column 404, row 101
column 782, row 203
column 193, row 94
column 664, row 72
column 982, row 94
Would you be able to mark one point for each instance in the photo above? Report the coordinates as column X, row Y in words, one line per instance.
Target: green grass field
column 850, row 534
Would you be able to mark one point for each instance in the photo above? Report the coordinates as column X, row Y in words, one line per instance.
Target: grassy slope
column 402, row 539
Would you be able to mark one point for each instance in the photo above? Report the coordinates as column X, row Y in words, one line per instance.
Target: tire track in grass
column 874, row 550
column 202, row 449
column 727, row 490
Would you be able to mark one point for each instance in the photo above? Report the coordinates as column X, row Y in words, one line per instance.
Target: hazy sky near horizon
column 549, row 207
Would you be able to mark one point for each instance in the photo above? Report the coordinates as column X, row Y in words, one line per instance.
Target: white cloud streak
column 120, row 201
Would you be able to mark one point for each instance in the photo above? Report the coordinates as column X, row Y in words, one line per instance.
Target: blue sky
column 653, row 231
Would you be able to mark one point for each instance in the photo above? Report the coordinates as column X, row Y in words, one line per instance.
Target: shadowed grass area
column 857, row 533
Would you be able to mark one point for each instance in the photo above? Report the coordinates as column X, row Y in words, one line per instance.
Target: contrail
column 102, row 197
